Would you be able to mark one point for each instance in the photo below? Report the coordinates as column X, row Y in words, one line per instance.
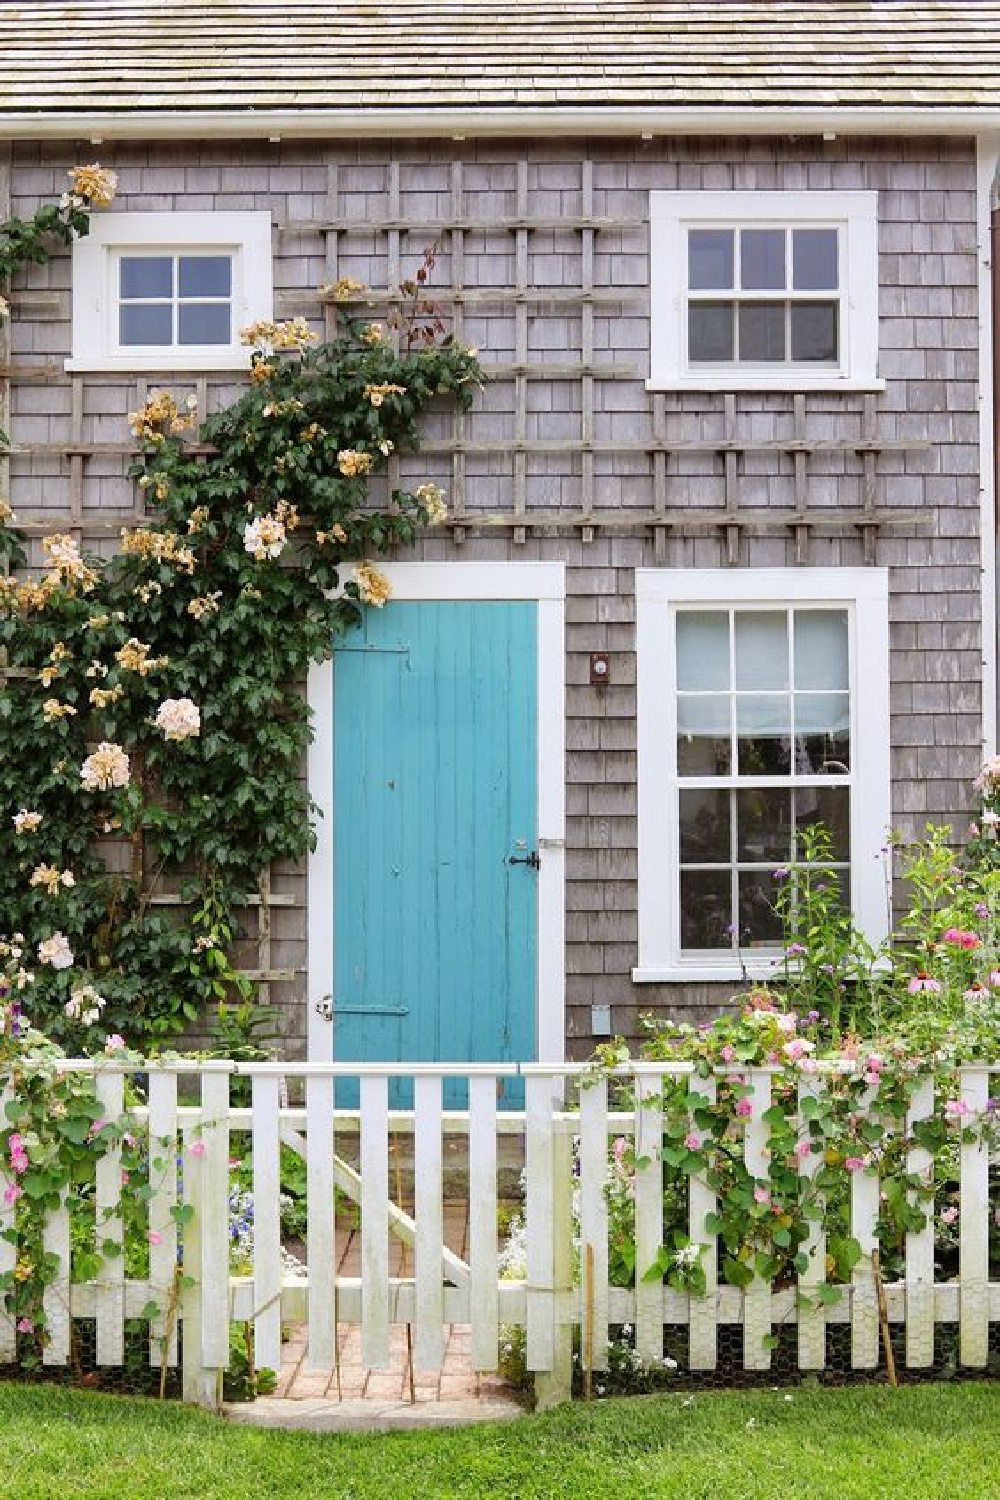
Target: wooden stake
column 883, row 1319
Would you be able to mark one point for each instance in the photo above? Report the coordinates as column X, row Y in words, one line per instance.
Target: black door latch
column 531, row 859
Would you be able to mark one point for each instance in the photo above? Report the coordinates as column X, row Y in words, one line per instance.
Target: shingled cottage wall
column 928, row 342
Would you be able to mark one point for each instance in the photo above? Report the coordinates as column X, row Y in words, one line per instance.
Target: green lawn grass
column 919, row 1443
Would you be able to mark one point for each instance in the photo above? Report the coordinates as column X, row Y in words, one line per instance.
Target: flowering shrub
column 872, row 1024
column 155, row 697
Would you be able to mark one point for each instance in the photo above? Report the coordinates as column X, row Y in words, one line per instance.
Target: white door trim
column 546, row 583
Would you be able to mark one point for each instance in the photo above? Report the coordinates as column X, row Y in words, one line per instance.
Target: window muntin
column 770, row 290
column 763, row 750
column 184, row 299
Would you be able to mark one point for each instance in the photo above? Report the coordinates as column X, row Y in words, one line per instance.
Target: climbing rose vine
column 155, row 704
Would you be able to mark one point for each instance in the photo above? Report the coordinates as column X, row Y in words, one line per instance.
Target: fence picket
column 267, row 1267
column 110, row 1294
column 974, row 1230
column 321, row 1226
column 648, row 1216
column 594, row 1214
column 703, row 1313
column 757, row 1296
column 428, row 1292
column 484, row 1300
column 920, row 1243
column 864, row 1297
column 375, row 1220
column 215, row 1214
column 162, row 1225
column 811, row 1312
column 55, row 1298
column 8, row 1250
column 540, row 1338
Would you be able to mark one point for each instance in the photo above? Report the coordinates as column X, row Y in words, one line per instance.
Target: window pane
column 206, row 276
column 762, row 331
column 703, row 650
column 814, row 260
column 146, row 276
column 759, row 923
column 831, row 806
column 710, row 332
column 822, row 734
column 203, row 323
column 762, row 260
column 706, row 909
column 703, row 741
column 815, row 332
column 763, row 736
column 144, row 323
column 761, row 649
column 764, row 825
column 821, row 651
column 710, row 260
column 705, row 827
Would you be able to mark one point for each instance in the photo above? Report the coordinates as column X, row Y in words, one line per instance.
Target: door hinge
column 533, row 859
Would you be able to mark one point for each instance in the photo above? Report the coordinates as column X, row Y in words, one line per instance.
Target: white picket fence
column 566, row 1286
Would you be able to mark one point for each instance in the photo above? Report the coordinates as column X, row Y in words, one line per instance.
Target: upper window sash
column 830, row 342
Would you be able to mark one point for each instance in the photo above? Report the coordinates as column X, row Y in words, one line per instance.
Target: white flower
column 179, row 719
column 107, row 767
column 26, row 822
column 56, row 951
column 264, row 537
column 85, row 1005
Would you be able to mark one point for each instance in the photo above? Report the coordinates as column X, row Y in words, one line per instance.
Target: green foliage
column 186, row 653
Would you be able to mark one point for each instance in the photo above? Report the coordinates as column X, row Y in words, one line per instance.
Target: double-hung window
column 169, row 291
column 765, row 291
column 755, row 722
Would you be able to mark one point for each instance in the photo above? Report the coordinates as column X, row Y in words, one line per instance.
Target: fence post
column 555, row 1386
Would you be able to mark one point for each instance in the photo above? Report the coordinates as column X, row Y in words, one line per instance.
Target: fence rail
column 565, row 1289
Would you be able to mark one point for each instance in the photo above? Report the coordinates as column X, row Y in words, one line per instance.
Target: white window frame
column 246, row 236
column 853, row 214
column 864, row 593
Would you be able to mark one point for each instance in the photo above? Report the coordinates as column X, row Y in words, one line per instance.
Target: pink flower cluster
column 18, row 1164
column 960, row 939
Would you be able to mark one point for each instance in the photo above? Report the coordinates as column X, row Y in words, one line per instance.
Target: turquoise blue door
column 435, row 802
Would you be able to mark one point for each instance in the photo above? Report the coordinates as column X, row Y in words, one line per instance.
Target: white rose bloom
column 179, row 719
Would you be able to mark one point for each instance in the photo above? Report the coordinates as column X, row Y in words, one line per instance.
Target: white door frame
column 504, row 581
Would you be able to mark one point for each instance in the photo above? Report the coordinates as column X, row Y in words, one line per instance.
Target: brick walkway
column 362, row 1399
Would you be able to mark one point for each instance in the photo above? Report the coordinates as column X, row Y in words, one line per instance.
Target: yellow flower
column 293, row 334
column 134, row 657
column 207, row 604
column 376, row 394
column 159, row 413
column 372, row 333
column 94, row 183
column 373, row 586
column 432, row 500
column 352, row 463
column 101, row 697
column 342, row 290
column 52, row 710
column 53, row 879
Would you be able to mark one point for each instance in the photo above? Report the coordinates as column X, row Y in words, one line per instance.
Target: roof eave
column 554, row 120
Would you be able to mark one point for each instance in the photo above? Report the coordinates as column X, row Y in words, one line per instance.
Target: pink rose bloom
column 874, row 1062
column 197, row 1148
column 854, row 1163
column 692, row 1142
column 955, row 1108
column 618, row 1148
column 803, row 1149
column 25, row 1325
column 155, row 1237
column 728, row 1053
column 115, row 1043
column 797, row 1047
column 761, row 1195
column 744, row 1107
column 949, row 1215
column 12, row 1193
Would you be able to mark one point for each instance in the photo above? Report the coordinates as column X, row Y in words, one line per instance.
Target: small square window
column 769, row 291
column 169, row 291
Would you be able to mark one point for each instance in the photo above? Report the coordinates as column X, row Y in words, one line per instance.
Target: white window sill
column 171, row 361
column 719, row 973
column 736, row 382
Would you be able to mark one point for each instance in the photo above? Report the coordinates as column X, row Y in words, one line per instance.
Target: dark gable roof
column 297, row 57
